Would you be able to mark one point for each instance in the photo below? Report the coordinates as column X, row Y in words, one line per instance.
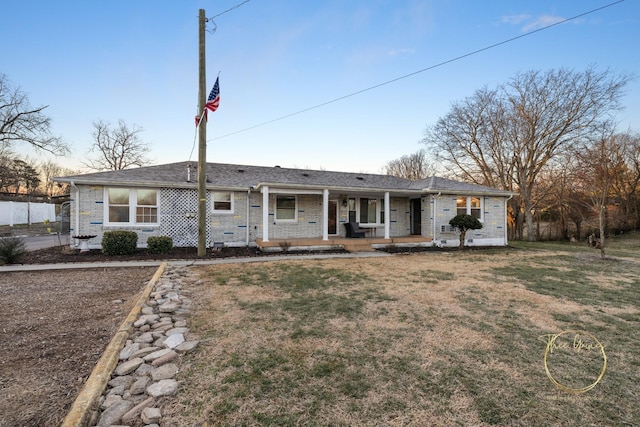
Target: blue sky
column 138, row 61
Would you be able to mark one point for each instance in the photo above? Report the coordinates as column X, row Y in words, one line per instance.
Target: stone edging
column 138, row 366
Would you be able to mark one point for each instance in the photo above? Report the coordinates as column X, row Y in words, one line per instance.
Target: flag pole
column 202, row 140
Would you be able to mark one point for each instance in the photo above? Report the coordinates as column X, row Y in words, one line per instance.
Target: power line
column 229, row 10
column 215, row 27
column 457, row 58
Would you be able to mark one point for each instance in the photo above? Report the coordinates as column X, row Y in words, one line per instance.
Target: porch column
column 265, row 213
column 387, row 220
column 325, row 214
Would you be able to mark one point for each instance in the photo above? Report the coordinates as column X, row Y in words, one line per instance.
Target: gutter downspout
column 265, row 213
column 325, row 214
column 387, row 219
column 506, row 225
column 248, row 212
column 433, row 214
column 76, row 227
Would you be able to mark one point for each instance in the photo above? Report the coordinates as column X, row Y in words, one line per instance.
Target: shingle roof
column 241, row 177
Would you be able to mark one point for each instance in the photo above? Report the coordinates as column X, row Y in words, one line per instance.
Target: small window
column 474, row 207
column 285, row 208
column 222, row 201
column 352, row 210
column 461, row 205
column 147, row 206
column 118, row 202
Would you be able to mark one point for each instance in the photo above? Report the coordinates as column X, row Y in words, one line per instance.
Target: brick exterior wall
column 177, row 213
column 493, row 220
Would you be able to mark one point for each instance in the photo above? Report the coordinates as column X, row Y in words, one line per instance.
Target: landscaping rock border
column 148, row 362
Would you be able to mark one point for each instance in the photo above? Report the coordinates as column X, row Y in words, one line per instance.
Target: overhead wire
column 230, row 9
column 440, row 64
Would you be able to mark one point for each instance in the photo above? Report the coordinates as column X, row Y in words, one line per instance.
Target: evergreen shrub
column 159, row 244
column 119, row 242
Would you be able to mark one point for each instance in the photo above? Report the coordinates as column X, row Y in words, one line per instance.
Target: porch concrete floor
column 349, row 244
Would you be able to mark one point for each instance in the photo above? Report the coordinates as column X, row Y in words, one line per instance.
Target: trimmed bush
column 463, row 223
column 11, row 250
column 159, row 244
column 119, row 242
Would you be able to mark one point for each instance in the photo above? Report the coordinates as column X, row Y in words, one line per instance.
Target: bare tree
column 627, row 184
column 21, row 123
column 412, row 166
column 117, row 148
column 50, row 170
column 507, row 137
column 601, row 162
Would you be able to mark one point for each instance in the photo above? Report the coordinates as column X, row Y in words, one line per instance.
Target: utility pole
column 202, row 140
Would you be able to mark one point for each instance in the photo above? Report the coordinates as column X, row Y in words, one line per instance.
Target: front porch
column 367, row 244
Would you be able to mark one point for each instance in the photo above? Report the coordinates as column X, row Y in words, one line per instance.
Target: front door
column 416, row 216
column 333, row 217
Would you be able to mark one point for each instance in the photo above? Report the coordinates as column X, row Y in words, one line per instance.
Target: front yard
column 422, row 339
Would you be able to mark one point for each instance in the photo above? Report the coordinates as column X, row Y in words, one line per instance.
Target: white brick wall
column 176, row 205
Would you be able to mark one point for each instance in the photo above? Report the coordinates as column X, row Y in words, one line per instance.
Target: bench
column 354, row 230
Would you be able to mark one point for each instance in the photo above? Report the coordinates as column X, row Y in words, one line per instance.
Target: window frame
column 231, row 202
column 468, row 208
column 277, row 209
column 378, row 208
column 132, row 206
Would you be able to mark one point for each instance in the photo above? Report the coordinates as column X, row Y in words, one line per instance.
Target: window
column 285, row 208
column 118, row 202
column 146, row 207
column 371, row 211
column 368, row 210
column 223, row 202
column 352, row 210
column 469, row 206
column 131, row 206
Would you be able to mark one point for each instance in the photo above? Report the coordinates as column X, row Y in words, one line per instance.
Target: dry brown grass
column 423, row 339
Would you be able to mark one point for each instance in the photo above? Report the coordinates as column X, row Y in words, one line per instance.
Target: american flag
column 214, row 98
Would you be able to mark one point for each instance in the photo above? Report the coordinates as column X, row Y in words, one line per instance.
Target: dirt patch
column 54, row 327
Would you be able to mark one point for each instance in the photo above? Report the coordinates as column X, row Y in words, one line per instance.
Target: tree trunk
column 602, row 224
column 463, row 232
column 528, row 218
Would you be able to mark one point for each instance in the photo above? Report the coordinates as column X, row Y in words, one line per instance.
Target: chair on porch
column 353, row 230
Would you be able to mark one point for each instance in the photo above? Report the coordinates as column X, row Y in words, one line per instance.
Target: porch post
column 265, row 213
column 325, row 214
column 387, row 220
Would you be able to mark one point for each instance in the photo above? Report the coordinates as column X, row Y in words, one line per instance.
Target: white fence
column 12, row 213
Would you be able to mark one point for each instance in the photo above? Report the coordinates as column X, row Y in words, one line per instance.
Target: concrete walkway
column 194, row 262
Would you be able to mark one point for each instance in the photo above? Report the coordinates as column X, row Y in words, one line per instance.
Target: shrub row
column 123, row 242
column 118, row 242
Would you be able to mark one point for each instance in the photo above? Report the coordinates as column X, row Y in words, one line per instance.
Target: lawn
column 421, row 339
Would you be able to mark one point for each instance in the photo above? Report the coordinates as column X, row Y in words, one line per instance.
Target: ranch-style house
column 274, row 207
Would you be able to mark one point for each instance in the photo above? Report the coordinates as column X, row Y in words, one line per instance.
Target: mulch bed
column 59, row 254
